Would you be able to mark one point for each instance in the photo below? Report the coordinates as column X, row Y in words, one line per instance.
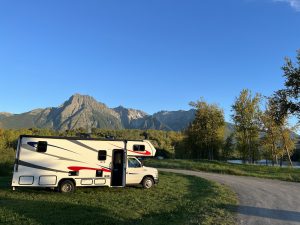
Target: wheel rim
column 148, row 183
column 66, row 187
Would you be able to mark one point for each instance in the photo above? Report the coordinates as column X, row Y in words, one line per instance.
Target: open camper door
column 118, row 168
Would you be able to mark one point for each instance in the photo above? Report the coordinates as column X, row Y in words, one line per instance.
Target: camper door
column 118, row 168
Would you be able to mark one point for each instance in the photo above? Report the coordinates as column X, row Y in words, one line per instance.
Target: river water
column 263, row 162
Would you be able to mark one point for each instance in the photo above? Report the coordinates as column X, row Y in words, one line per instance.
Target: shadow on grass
column 6, row 168
column 5, row 183
column 45, row 212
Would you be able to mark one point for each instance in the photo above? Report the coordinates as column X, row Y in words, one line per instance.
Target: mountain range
column 83, row 111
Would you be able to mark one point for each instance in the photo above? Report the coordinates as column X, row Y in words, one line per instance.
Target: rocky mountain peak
column 127, row 115
column 82, row 111
column 131, row 113
column 79, row 101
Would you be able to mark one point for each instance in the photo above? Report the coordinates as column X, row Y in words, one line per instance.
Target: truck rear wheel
column 147, row 182
column 66, row 186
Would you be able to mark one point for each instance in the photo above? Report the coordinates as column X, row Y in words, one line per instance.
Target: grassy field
column 176, row 200
column 286, row 174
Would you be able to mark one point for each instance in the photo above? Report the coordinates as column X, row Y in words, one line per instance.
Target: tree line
column 164, row 141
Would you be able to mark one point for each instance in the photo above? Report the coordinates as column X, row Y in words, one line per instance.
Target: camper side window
column 102, row 155
column 42, row 146
column 140, row 148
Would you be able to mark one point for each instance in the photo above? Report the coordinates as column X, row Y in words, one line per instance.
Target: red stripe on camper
column 141, row 153
column 77, row 168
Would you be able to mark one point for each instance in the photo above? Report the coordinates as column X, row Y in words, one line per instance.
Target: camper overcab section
column 67, row 162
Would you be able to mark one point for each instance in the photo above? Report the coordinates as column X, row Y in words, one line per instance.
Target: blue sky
column 151, row 55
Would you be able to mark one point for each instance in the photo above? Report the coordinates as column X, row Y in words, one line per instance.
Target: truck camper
column 68, row 162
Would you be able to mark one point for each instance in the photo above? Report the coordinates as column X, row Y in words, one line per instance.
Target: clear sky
column 147, row 54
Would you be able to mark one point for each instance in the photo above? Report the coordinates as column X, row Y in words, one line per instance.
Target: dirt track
column 261, row 201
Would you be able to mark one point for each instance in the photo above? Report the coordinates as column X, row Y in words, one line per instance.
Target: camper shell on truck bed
column 67, row 162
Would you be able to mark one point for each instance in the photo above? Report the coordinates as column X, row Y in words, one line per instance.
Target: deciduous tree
column 206, row 133
column 279, row 123
column 287, row 99
column 246, row 113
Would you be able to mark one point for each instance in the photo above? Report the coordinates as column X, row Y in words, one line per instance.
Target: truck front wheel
column 147, row 182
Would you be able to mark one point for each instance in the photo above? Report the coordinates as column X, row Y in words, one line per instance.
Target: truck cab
column 137, row 173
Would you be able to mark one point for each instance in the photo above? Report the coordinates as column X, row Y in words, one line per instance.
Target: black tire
column 66, row 186
column 148, row 182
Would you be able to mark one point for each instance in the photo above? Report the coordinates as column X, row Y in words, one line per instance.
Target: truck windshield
column 133, row 163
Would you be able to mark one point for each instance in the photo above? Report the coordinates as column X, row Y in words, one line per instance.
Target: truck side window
column 42, row 146
column 139, row 148
column 102, row 155
column 133, row 163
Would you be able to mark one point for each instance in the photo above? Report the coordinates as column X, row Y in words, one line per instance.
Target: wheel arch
column 146, row 177
column 64, row 179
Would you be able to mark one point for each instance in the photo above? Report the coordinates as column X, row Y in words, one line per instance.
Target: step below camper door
column 118, row 168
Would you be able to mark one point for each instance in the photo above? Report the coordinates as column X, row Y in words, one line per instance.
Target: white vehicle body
column 47, row 161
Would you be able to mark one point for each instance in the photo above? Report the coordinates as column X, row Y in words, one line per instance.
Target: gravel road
column 261, row 201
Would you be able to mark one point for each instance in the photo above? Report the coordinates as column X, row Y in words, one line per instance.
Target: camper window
column 139, row 148
column 42, row 146
column 102, row 155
